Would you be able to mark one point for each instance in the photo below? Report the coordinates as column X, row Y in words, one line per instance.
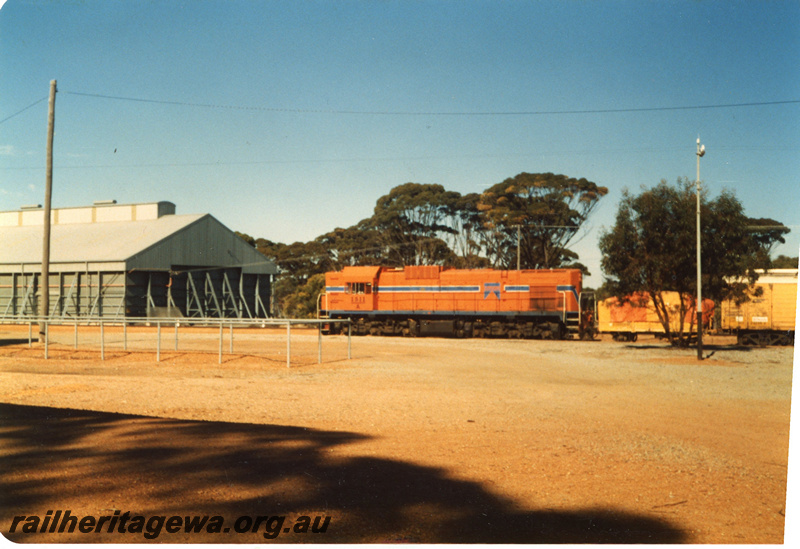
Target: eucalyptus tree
column 360, row 244
column 652, row 248
column 546, row 211
column 411, row 220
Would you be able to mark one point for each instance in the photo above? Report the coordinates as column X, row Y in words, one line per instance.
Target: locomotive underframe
column 540, row 326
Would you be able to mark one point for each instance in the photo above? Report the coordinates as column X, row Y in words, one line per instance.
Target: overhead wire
column 406, row 113
column 432, row 113
column 320, row 161
column 357, row 112
column 380, row 159
column 23, row 110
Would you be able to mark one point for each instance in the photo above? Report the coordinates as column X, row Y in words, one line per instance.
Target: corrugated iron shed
column 90, row 245
column 157, row 244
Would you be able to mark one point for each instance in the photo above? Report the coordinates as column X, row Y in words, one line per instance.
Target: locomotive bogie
column 467, row 327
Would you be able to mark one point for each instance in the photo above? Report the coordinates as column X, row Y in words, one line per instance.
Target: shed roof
column 195, row 239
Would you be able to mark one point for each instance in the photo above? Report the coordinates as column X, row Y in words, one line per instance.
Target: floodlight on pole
column 701, row 150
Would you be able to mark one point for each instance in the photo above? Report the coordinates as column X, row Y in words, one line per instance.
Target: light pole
column 701, row 150
column 44, row 281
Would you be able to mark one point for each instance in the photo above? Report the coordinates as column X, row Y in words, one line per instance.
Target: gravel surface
column 413, row 440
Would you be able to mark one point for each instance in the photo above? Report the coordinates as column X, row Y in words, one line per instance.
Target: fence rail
column 43, row 325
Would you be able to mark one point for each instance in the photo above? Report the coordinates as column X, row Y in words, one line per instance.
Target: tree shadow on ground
column 94, row 463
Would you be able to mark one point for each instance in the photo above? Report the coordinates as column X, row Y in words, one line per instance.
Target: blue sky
column 287, row 119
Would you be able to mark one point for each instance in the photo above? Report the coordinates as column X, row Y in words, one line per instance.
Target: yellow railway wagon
column 637, row 315
column 768, row 317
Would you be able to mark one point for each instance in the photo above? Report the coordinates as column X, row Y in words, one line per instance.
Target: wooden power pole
column 44, row 283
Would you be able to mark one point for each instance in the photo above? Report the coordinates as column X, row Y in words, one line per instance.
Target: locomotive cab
column 359, row 288
column 353, row 289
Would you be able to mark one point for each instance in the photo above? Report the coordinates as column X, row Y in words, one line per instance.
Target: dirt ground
column 413, row 440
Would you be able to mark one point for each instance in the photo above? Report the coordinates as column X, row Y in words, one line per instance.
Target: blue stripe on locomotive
column 405, row 314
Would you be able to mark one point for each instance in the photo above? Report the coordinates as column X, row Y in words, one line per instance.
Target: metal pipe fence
column 45, row 323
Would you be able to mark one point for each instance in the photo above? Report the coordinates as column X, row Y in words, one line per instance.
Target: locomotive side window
column 359, row 288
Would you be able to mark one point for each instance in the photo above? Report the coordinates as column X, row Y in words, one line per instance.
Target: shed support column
column 193, row 296
column 29, row 301
column 243, row 297
column 11, row 298
column 68, row 297
column 151, row 304
column 171, row 306
column 260, row 301
column 98, row 300
column 209, row 288
column 229, row 296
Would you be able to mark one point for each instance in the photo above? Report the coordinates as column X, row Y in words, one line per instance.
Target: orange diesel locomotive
column 432, row 300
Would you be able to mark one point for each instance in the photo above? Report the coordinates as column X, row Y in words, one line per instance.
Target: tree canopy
column 547, row 209
column 785, row 262
column 411, row 221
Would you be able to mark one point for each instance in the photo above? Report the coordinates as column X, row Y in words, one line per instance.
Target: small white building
column 132, row 260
